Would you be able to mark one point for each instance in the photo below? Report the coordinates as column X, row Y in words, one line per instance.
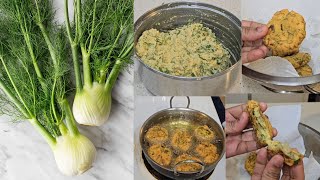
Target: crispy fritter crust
column 181, row 140
column 156, row 135
column 287, row 30
column 261, row 124
column 160, row 154
column 298, row 60
column 250, row 162
column 305, row 70
column 208, row 152
column 291, row 156
column 204, row 133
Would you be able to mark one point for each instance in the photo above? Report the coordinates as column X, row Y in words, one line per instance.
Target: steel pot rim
column 181, row 109
column 186, row 3
column 280, row 81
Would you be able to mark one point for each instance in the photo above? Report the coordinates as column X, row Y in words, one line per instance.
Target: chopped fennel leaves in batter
column 189, row 51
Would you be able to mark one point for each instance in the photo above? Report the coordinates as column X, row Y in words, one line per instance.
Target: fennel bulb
column 92, row 105
column 74, row 154
column 33, row 77
column 102, row 36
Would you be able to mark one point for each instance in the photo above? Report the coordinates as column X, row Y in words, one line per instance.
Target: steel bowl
column 225, row 25
column 187, row 117
column 283, row 84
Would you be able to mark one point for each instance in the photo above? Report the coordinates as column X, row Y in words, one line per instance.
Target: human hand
column 252, row 35
column 270, row 170
column 238, row 142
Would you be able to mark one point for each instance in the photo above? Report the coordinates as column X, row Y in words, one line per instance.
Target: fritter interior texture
column 263, row 131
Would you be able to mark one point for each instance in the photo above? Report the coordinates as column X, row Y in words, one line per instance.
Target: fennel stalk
column 33, row 77
column 102, row 36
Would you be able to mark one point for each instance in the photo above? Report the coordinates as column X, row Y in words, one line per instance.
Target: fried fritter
column 263, row 131
column 250, row 162
column 305, row 71
column 298, row 60
column 261, row 124
column 156, row 135
column 181, row 140
column 160, row 154
column 204, row 133
column 287, row 30
column 291, row 156
column 187, row 167
column 208, row 152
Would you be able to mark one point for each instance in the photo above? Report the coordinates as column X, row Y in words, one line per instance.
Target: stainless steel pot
column 283, row 84
column 187, row 117
column 225, row 25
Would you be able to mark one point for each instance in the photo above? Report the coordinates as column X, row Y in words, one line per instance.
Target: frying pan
column 175, row 118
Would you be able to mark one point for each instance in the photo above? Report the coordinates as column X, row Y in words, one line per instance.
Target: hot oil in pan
column 183, row 123
column 159, row 176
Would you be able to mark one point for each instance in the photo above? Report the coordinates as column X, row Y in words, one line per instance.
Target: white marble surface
column 146, row 106
column 24, row 154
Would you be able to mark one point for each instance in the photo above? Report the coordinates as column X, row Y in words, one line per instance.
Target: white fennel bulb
column 74, row 154
column 92, row 105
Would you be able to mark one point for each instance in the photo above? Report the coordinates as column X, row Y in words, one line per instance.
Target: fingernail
column 259, row 29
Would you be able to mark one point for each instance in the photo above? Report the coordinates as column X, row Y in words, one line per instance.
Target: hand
column 270, row 170
column 237, row 142
column 252, row 35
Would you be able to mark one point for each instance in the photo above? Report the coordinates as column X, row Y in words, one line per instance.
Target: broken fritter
column 261, row 124
column 263, row 132
column 291, row 156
